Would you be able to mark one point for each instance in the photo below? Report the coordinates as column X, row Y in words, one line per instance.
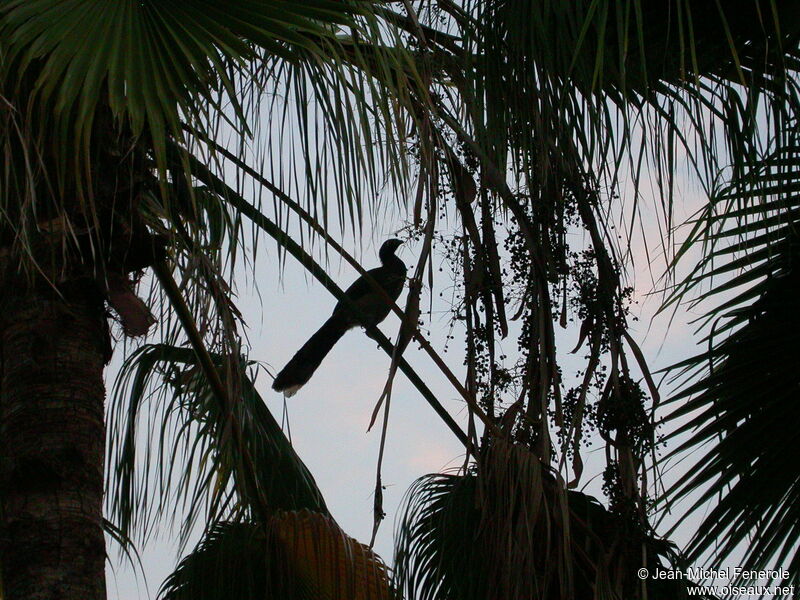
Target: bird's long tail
column 301, row 367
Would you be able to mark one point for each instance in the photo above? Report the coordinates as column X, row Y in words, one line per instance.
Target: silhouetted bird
column 391, row 276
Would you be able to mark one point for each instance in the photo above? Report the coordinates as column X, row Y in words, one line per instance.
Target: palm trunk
column 52, row 354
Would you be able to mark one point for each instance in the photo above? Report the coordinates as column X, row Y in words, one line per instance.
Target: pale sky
column 329, row 416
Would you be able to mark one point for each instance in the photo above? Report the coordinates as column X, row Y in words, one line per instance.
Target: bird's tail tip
column 287, row 391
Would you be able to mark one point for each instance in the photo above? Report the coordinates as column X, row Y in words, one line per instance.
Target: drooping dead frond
column 299, row 555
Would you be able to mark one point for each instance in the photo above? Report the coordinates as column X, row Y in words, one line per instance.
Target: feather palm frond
column 737, row 405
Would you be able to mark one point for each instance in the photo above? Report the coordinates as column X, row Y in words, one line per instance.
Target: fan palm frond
column 79, row 109
column 158, row 64
column 508, row 529
column 610, row 76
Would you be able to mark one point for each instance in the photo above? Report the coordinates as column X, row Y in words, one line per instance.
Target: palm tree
column 530, row 120
column 524, row 119
column 101, row 103
column 552, row 97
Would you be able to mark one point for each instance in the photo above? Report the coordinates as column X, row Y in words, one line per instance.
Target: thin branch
column 204, row 175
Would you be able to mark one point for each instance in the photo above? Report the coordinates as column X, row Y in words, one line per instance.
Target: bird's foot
column 373, row 336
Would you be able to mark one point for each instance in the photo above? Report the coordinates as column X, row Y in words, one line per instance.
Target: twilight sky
column 329, row 416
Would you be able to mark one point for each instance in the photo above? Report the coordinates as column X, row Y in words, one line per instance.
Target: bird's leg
column 374, row 336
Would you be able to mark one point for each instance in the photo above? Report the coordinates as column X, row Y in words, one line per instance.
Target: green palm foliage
column 196, row 444
column 159, row 66
column 88, row 117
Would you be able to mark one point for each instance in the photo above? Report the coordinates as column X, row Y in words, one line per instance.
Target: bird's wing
column 361, row 287
column 371, row 303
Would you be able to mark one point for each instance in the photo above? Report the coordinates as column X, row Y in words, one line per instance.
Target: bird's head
column 388, row 248
column 391, row 245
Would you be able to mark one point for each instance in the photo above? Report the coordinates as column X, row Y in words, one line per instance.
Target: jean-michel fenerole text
column 732, row 573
